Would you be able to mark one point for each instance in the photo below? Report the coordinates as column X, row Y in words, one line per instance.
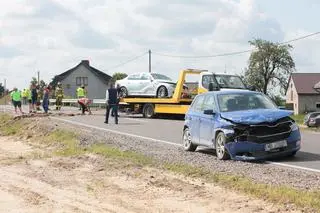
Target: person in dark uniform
column 118, row 90
column 112, row 103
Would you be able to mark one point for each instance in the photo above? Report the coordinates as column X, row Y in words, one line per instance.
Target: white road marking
column 293, row 166
column 117, row 132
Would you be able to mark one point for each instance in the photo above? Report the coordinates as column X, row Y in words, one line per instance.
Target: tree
column 270, row 65
column 278, row 100
column 118, row 76
column 34, row 81
column 1, row 90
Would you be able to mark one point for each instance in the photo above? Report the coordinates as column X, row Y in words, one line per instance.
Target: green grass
column 69, row 145
column 298, row 118
column 9, row 127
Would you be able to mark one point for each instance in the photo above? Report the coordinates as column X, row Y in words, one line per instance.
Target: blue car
column 241, row 125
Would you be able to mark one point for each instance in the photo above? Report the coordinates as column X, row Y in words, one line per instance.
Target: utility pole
column 38, row 77
column 149, row 61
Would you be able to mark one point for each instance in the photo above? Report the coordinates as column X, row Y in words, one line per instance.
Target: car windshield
column 244, row 101
column 230, row 81
column 160, row 77
column 224, row 81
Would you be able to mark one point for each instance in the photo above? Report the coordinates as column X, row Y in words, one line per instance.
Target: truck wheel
column 123, row 92
column 162, row 92
column 221, row 151
column 148, row 111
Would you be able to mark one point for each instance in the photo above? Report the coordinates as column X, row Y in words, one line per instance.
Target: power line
column 125, row 62
column 232, row 53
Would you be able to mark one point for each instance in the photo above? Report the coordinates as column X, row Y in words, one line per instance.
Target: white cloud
column 54, row 35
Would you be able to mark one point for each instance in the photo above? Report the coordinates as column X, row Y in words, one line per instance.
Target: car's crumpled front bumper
column 246, row 150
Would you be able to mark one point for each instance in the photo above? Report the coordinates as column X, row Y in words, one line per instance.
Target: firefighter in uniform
column 59, row 96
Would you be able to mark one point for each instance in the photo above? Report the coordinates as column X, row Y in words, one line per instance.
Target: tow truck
column 181, row 99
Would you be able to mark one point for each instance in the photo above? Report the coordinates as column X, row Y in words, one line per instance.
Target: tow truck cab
column 219, row 81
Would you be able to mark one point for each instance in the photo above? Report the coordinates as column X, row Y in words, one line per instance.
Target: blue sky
column 54, row 35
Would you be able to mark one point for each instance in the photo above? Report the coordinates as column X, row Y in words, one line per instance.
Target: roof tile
column 304, row 82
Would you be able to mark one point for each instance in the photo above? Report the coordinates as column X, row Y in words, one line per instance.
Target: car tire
column 123, row 92
column 162, row 92
column 148, row 111
column 221, row 152
column 292, row 154
column 187, row 142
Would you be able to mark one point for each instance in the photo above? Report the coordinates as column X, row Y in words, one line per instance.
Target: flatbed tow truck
column 180, row 101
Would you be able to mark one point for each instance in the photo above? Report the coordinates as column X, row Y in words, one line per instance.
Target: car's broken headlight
column 294, row 127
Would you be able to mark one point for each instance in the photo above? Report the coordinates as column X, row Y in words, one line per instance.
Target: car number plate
column 275, row 145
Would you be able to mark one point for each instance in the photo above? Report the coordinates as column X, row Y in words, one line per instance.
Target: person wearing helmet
column 59, row 96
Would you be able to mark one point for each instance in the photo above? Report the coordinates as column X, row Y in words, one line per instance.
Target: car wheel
column 123, row 92
column 221, row 151
column 187, row 142
column 148, row 111
column 292, row 154
column 162, row 92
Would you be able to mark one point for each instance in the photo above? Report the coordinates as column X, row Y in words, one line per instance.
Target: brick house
column 95, row 81
column 301, row 93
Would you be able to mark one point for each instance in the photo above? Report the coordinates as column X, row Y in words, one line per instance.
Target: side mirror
column 208, row 112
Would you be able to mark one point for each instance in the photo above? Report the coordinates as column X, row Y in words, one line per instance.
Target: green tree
column 269, row 65
column 278, row 100
column 118, row 76
column 1, row 90
column 55, row 81
column 34, row 81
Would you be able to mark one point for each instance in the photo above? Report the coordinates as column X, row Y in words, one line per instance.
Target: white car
column 146, row 84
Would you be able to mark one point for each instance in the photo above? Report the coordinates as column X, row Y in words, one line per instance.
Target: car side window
column 134, row 77
column 144, row 76
column 206, row 80
column 209, row 103
column 198, row 104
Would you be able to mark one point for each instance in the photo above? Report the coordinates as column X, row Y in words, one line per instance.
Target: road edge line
column 117, row 132
column 293, row 166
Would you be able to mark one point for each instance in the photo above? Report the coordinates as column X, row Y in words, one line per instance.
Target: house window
column 82, row 80
column 291, row 95
column 318, row 105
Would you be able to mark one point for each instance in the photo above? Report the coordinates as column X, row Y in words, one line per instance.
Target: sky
column 52, row 36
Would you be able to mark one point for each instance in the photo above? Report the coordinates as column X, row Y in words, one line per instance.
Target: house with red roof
column 303, row 92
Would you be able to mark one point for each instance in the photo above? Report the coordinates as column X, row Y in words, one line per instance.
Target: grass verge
column 69, row 145
column 298, row 118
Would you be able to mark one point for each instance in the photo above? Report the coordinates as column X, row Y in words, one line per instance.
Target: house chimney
column 86, row 62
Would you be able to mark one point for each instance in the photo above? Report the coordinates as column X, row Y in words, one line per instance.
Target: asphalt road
column 171, row 131
column 168, row 130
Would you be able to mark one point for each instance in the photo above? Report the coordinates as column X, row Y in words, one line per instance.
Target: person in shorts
column 34, row 97
column 16, row 97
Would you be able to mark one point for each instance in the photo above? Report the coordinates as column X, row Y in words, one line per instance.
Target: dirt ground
column 29, row 183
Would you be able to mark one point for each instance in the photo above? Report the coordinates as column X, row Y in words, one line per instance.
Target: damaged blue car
column 241, row 125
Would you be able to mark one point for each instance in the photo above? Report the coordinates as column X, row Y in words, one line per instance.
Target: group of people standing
column 33, row 97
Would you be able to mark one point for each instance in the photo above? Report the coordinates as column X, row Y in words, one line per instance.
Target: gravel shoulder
column 91, row 183
column 258, row 172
